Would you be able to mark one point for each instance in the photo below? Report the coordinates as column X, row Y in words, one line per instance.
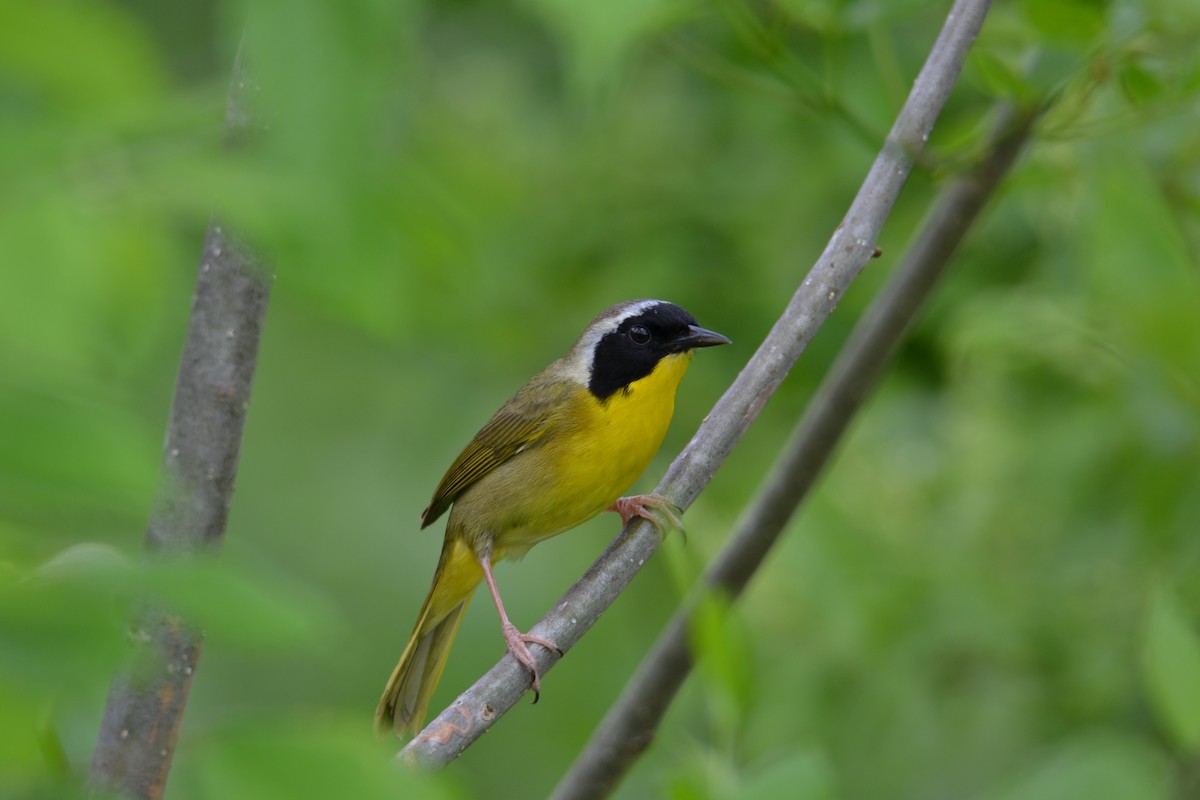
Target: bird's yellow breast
column 594, row 452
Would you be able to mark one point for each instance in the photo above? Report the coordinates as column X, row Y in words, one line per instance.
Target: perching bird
column 561, row 451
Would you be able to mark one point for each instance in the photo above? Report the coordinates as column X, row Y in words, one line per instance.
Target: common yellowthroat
column 558, row 453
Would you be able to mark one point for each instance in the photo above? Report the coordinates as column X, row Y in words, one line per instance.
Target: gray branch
column 147, row 697
column 852, row 245
column 630, row 724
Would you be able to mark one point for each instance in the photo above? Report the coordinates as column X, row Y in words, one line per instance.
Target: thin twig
column 852, row 245
column 147, row 697
column 630, row 724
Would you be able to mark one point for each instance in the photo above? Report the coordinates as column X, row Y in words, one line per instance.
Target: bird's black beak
column 700, row 337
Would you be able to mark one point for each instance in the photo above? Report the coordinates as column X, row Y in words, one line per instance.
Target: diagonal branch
column 630, row 724
column 147, row 697
column 852, row 245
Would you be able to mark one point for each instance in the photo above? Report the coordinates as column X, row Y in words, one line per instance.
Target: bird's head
column 625, row 342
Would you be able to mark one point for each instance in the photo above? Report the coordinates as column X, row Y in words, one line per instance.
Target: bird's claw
column 651, row 507
column 518, row 645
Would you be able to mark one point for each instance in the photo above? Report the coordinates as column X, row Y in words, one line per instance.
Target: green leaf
column 798, row 776
column 1171, row 669
column 1098, row 768
column 101, row 58
column 722, row 649
column 85, row 560
column 1130, row 220
column 996, row 77
column 1138, row 84
column 1069, row 22
column 242, row 607
column 301, row 756
column 597, row 38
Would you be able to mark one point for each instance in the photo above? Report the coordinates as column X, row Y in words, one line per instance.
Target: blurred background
column 993, row 593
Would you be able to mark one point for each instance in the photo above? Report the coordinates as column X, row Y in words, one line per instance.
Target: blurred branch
column 147, row 697
column 630, row 724
column 852, row 245
column 807, row 86
column 789, row 82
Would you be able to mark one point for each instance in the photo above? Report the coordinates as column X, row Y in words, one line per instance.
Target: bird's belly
column 578, row 473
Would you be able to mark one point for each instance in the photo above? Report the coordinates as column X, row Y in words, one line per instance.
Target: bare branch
column 630, row 724
column 147, row 698
column 852, row 245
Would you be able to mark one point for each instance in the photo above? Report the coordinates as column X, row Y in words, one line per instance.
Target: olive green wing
column 517, row 426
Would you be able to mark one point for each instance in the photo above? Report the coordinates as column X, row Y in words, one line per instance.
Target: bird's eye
column 639, row 334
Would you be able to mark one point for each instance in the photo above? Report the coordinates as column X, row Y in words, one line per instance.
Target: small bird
column 561, row 451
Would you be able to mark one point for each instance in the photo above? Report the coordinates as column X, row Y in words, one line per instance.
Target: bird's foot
column 518, row 645
column 652, row 507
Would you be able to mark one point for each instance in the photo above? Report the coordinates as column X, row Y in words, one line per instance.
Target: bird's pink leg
column 517, row 642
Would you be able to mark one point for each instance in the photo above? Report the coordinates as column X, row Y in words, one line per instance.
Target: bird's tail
column 406, row 698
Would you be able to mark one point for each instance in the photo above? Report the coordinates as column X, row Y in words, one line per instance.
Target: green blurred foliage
column 992, row 593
